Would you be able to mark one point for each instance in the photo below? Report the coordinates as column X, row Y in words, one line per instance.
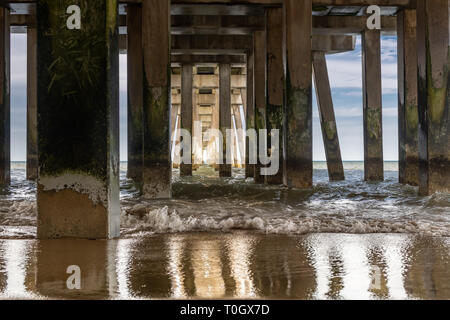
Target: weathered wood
column 249, row 111
column 373, row 120
column 241, row 44
column 78, row 121
column 201, row 59
column 275, row 85
column 327, row 118
column 260, row 41
column 135, row 94
column 5, row 99
column 298, row 114
column 157, row 175
column 408, row 113
column 32, row 150
column 225, row 117
column 433, row 86
column 186, row 111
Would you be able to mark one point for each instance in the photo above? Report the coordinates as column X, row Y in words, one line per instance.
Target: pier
column 200, row 66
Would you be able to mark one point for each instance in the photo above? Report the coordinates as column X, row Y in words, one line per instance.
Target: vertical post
column 433, row 86
column 157, row 175
column 5, row 100
column 275, row 84
column 186, row 111
column 32, row 152
column 215, row 126
column 78, row 121
column 372, row 104
column 408, row 113
column 327, row 118
column 135, row 93
column 298, row 115
column 250, row 110
column 225, row 117
column 260, row 92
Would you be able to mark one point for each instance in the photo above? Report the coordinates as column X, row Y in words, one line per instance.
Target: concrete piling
column 32, row 148
column 135, row 84
column 260, row 93
column 372, row 106
column 186, row 111
column 408, row 113
column 275, row 85
column 298, row 109
column 78, row 121
column 225, row 117
column 5, row 99
column 157, row 172
column 433, row 96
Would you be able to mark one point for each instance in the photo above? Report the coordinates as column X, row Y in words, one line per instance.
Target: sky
column 345, row 72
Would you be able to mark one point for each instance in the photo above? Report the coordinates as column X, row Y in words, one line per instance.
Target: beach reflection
column 236, row 265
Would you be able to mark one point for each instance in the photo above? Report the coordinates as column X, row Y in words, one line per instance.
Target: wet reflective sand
column 230, row 265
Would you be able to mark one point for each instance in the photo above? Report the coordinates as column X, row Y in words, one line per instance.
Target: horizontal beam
column 349, row 24
column 239, row 45
column 202, row 59
column 230, row 44
column 226, row 7
column 203, row 81
column 238, row 25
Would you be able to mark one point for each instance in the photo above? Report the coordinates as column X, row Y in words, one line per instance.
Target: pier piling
column 157, row 172
column 5, row 99
column 225, row 117
column 408, row 113
column 433, row 86
column 275, row 85
column 327, row 118
column 32, row 150
column 298, row 109
column 372, row 106
column 78, row 121
column 186, row 111
column 135, row 84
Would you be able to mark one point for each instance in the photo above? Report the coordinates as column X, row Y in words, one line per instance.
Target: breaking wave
column 207, row 204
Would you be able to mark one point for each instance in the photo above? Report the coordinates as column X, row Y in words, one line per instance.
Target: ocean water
column 204, row 203
column 233, row 239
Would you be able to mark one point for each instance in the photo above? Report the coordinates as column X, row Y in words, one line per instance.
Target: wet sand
column 230, row 265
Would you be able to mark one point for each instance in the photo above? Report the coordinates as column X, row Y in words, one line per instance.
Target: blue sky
column 346, row 80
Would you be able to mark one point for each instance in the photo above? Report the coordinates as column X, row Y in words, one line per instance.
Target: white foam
column 81, row 183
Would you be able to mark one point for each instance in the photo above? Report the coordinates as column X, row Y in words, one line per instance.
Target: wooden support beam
column 260, row 40
column 372, row 98
column 275, row 85
column 157, row 175
column 237, row 25
column 408, row 112
column 5, row 99
column 78, row 122
column 329, row 25
column 32, row 148
column 225, row 117
column 250, row 110
column 241, row 44
column 433, row 86
column 212, row 44
column 135, row 94
column 327, row 118
column 207, row 59
column 298, row 115
column 186, row 111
